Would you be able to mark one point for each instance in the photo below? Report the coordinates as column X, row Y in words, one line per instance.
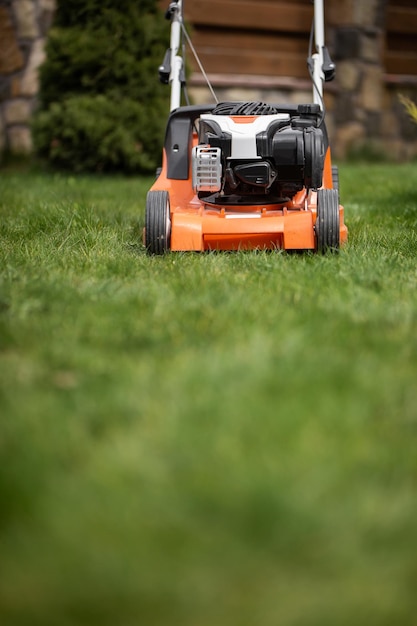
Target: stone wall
column 23, row 28
column 357, row 31
column 366, row 111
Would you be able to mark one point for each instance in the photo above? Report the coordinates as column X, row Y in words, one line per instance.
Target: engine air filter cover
column 206, row 168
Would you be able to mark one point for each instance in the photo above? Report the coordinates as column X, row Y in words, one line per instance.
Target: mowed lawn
column 205, row 439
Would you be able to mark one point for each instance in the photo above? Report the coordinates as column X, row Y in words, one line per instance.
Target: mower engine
column 251, row 149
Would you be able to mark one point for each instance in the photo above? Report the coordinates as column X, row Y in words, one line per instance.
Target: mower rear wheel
column 157, row 222
column 328, row 221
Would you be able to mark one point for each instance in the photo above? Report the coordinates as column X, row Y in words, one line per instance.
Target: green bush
column 101, row 105
column 95, row 133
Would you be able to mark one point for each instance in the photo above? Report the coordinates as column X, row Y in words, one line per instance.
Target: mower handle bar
column 322, row 66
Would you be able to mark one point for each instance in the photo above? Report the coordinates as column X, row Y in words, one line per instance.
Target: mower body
column 244, row 180
column 245, row 175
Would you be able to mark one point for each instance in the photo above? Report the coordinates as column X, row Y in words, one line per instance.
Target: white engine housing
column 243, row 130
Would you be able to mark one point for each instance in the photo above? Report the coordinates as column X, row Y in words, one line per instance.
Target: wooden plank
column 260, row 15
column 401, row 20
column 401, row 30
column 400, row 62
column 403, row 3
column 401, row 41
column 244, row 40
column 252, row 62
column 164, row 4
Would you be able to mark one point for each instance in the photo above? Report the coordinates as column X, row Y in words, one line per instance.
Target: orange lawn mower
column 245, row 175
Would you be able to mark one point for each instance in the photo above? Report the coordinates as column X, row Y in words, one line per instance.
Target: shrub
column 97, row 133
column 101, row 104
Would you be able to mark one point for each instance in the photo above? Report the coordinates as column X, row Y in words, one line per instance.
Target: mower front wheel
column 157, row 222
column 328, row 221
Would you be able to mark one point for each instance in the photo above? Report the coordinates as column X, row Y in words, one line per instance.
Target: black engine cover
column 257, row 173
column 297, row 152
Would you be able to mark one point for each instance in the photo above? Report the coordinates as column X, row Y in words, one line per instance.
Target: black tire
column 328, row 221
column 335, row 179
column 157, row 222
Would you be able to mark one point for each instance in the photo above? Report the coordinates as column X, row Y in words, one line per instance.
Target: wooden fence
column 401, row 38
column 263, row 37
column 270, row 37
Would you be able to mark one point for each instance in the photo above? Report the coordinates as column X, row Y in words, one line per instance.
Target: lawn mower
column 244, row 175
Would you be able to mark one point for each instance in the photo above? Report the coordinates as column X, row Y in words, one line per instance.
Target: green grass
column 205, row 440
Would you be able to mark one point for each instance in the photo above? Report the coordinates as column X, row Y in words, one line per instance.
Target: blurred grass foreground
column 205, row 439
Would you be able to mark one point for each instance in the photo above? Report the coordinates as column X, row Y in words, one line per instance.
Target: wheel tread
column 328, row 220
column 157, row 236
